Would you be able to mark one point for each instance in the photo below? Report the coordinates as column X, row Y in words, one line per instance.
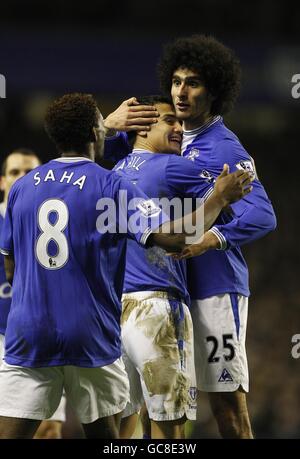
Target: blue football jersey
column 159, row 176
column 66, row 227
column 5, row 290
column 116, row 147
column 219, row 271
column 225, row 271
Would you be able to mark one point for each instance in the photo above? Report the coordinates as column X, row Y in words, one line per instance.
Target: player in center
column 157, row 331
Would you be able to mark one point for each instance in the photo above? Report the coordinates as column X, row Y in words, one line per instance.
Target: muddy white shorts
column 157, row 337
column 220, row 324
column 35, row 393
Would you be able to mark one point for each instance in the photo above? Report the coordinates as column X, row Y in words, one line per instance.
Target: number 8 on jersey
column 52, row 232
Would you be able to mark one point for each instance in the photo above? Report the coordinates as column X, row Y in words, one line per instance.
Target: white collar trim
column 72, row 159
column 2, row 209
column 204, row 126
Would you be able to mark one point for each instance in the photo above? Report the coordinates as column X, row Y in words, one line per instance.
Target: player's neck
column 142, row 144
column 195, row 123
column 89, row 153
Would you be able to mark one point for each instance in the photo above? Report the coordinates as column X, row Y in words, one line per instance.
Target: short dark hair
column 70, row 120
column 216, row 64
column 149, row 100
column 155, row 99
column 22, row 151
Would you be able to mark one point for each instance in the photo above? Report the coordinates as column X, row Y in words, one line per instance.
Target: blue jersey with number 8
column 68, row 276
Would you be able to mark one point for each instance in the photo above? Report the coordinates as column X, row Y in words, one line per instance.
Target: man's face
column 165, row 136
column 190, row 97
column 17, row 165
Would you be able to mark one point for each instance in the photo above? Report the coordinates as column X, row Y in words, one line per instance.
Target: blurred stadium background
column 111, row 49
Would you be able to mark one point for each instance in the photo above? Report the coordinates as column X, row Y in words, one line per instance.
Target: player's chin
column 182, row 115
column 175, row 148
column 175, row 151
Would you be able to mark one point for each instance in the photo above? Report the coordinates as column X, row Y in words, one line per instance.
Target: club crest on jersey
column 225, row 376
column 148, row 208
column 193, row 154
column 193, row 393
column 52, row 263
column 247, row 165
column 207, row 176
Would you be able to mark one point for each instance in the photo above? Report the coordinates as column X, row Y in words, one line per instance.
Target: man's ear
column 94, row 136
column 143, row 134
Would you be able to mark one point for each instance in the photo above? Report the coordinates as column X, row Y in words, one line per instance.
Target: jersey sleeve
column 116, row 147
column 6, row 238
column 137, row 214
column 186, row 179
column 253, row 216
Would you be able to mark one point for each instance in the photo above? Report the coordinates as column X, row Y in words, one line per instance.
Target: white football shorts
column 220, row 324
column 35, row 393
column 60, row 413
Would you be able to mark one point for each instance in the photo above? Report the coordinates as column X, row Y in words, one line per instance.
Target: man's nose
column 178, row 128
column 182, row 90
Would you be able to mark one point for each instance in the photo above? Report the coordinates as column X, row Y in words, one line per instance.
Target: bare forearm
column 196, row 223
column 166, row 238
column 172, row 236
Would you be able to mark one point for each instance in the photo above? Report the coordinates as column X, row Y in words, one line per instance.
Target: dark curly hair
column 216, row 64
column 70, row 120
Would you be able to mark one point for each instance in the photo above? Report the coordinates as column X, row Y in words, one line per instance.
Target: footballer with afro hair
column 203, row 76
column 216, row 65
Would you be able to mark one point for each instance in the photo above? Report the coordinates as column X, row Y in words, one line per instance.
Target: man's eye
column 176, row 82
column 14, row 172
